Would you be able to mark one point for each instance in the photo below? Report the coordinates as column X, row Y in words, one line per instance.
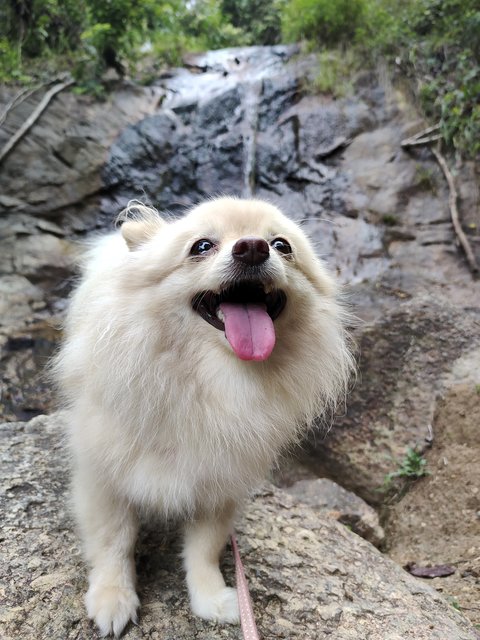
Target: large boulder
column 58, row 164
column 49, row 190
column 310, row 576
column 407, row 358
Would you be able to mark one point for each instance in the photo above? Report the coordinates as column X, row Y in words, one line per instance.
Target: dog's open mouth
column 245, row 311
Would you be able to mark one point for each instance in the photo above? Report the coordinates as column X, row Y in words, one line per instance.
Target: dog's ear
column 140, row 223
column 137, row 232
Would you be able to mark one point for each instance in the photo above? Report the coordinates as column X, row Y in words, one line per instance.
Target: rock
column 36, row 266
column 25, row 389
column 309, row 576
column 56, row 166
column 406, row 359
column 17, row 295
column 333, row 500
column 377, row 214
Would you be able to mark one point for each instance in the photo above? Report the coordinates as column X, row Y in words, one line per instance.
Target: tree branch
column 17, row 99
column 422, row 137
column 425, row 137
column 452, row 201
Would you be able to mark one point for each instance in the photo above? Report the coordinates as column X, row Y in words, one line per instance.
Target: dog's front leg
column 109, row 530
column 205, row 539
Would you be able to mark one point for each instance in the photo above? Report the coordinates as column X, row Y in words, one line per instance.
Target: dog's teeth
column 220, row 315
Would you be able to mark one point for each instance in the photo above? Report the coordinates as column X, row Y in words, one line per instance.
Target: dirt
column 438, row 520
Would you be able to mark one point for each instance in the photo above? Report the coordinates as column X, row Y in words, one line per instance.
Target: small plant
column 336, row 73
column 412, row 467
column 477, row 389
column 389, row 220
column 424, row 177
column 454, row 602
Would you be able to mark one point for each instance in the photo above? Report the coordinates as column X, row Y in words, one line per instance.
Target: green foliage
column 389, row 220
column 31, row 29
column 454, row 603
column 259, row 20
column 336, row 70
column 92, row 35
column 323, row 22
column 412, row 467
column 436, row 44
column 425, row 178
column 10, row 62
column 208, row 28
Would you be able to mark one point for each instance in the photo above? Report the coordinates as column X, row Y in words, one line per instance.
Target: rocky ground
column 242, row 122
column 310, row 577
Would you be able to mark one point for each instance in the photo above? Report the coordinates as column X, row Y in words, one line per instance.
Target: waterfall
column 253, row 91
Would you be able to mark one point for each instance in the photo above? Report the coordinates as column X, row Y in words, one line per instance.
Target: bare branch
column 421, row 138
column 452, row 201
column 17, row 99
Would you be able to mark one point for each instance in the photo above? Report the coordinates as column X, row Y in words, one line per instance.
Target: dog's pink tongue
column 249, row 330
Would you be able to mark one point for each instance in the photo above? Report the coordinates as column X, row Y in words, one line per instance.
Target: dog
column 196, row 350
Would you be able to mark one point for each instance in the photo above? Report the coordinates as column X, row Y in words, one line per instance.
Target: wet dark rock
column 278, row 94
column 221, row 113
column 277, row 155
column 140, row 158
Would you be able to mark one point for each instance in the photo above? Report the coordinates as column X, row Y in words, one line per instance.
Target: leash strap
column 247, row 619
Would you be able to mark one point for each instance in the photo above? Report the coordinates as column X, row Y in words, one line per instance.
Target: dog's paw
column 221, row 606
column 111, row 608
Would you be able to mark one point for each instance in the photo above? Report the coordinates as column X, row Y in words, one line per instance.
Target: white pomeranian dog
column 196, row 350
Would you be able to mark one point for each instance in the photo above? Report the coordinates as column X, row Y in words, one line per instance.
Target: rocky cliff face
column 243, row 122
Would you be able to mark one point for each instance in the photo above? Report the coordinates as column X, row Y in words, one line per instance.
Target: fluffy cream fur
column 163, row 415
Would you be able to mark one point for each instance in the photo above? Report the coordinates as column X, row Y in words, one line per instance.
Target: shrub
column 259, row 20
column 437, row 45
column 323, row 22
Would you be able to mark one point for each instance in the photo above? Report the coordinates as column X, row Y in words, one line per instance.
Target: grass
column 454, row 602
column 389, row 220
column 336, row 73
column 425, row 178
column 412, row 467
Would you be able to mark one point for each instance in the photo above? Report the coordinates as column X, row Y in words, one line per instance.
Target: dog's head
column 237, row 267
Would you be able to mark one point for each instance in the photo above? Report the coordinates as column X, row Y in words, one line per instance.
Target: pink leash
column 247, row 619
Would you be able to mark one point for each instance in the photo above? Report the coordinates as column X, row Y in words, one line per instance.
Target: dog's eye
column 282, row 246
column 202, row 247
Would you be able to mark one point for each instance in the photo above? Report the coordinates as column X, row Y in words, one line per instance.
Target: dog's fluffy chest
column 175, row 475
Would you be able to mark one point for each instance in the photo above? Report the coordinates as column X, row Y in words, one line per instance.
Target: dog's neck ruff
column 247, row 619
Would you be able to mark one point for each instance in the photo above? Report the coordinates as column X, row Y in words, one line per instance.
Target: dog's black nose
column 251, row 250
